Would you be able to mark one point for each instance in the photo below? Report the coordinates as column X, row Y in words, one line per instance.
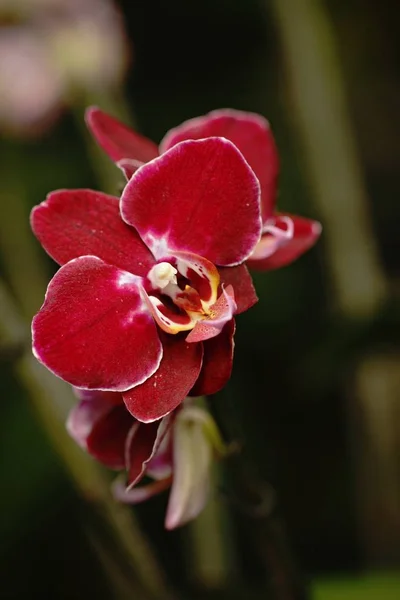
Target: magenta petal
column 117, row 140
column 217, row 362
column 72, row 223
column 93, row 329
column 179, row 369
column 201, row 197
column 286, row 238
column 249, row 132
column 240, row 279
column 101, row 428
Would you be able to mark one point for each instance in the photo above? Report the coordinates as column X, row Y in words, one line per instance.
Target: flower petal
column 101, row 427
column 93, row 329
column 286, row 238
column 249, row 132
column 141, row 493
column 72, row 223
column 201, row 197
column 142, row 444
column 116, row 139
column 160, row 394
column 192, row 456
column 129, row 166
column 223, row 311
column 240, row 279
column 217, row 362
column 139, row 449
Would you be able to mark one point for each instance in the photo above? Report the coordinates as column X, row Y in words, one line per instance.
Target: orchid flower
column 175, row 452
column 285, row 237
column 145, row 299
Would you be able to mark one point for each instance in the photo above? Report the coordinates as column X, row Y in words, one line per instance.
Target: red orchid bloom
column 175, row 452
column 285, row 237
column 139, row 305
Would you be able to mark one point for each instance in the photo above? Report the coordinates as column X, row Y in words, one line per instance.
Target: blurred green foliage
column 370, row 587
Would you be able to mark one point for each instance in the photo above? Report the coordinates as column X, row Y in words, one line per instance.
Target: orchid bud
column 193, row 449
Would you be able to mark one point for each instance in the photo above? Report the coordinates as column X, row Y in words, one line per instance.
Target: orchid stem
column 210, row 542
column 256, row 507
column 209, row 538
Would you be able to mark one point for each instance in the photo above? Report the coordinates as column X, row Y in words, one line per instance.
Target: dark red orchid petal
column 93, row 329
column 200, row 197
column 101, row 428
column 142, row 444
column 217, row 362
column 249, row 132
column 139, row 449
column 116, row 139
column 286, row 238
column 72, row 223
column 240, row 279
column 129, row 166
column 159, row 395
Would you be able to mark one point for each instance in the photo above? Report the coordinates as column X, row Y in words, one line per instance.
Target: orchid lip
column 182, row 291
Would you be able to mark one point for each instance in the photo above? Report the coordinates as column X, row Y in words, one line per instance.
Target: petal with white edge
column 251, row 133
column 73, row 223
column 285, row 238
column 93, row 330
column 201, row 197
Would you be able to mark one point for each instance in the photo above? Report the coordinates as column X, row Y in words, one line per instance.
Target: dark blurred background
column 315, row 388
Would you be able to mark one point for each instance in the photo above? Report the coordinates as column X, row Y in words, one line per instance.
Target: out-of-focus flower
column 88, row 43
column 51, row 50
column 139, row 305
column 175, row 452
column 30, row 87
column 285, row 237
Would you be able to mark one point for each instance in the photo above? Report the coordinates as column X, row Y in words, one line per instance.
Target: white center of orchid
column 162, row 275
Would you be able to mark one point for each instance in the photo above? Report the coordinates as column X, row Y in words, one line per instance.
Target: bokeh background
column 314, row 397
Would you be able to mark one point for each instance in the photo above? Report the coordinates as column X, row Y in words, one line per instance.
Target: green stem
column 210, row 540
column 257, row 512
